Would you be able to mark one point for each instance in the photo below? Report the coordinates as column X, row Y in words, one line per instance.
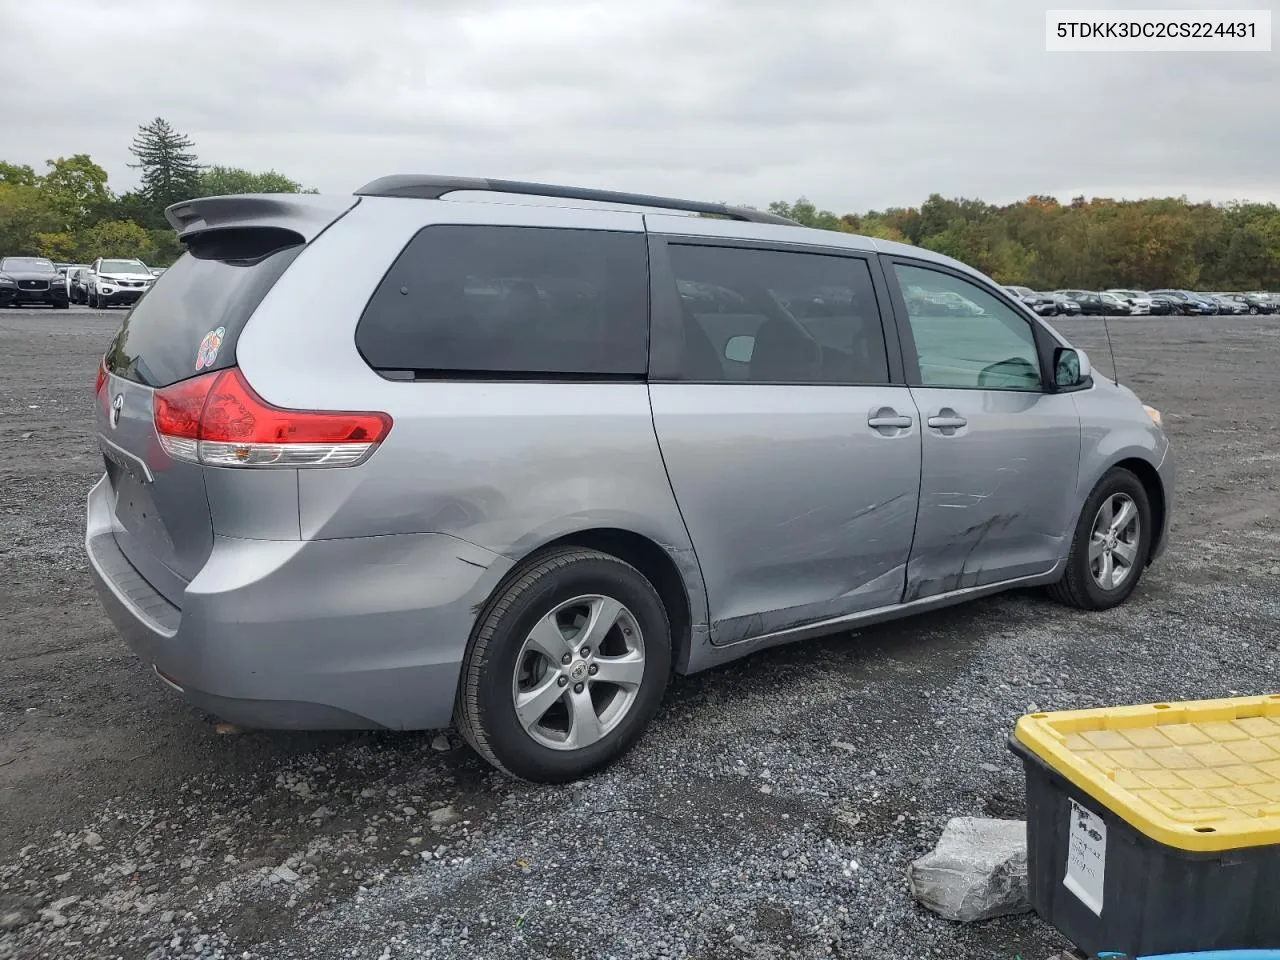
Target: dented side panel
column 799, row 511
column 998, row 495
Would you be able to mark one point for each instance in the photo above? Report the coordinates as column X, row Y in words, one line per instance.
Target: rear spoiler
column 305, row 215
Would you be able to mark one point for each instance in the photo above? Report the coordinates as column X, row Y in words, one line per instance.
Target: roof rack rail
column 431, row 187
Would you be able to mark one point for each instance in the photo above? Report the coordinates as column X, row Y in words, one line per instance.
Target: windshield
column 123, row 266
column 26, row 263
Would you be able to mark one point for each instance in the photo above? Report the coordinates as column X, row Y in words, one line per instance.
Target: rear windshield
column 188, row 322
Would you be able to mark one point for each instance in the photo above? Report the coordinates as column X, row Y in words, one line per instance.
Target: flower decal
column 208, row 350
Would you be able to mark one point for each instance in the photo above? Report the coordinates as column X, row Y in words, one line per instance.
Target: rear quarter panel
column 508, row 466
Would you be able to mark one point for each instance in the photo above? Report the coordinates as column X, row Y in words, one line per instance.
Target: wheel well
column 658, row 568
column 1155, row 493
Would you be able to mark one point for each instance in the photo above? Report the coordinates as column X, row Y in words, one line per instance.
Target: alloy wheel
column 578, row 672
column 1114, row 541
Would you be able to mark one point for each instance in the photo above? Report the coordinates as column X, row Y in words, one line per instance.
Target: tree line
column 68, row 212
column 1093, row 244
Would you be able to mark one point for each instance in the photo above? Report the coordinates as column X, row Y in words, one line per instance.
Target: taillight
column 100, row 392
column 218, row 420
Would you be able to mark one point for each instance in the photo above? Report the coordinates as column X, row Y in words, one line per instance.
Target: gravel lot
column 771, row 812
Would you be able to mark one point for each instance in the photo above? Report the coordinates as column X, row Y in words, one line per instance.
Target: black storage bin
column 1154, row 897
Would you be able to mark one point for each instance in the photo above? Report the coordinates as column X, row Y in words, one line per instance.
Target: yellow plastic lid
column 1202, row 775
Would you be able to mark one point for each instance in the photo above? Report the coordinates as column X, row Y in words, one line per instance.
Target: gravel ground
column 771, row 812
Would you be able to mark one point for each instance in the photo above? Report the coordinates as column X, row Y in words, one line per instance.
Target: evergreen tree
column 170, row 171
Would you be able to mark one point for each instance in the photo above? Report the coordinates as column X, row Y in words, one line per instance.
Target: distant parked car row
column 1142, row 303
column 103, row 283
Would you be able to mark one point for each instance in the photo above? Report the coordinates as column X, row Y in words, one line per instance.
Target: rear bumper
column 305, row 634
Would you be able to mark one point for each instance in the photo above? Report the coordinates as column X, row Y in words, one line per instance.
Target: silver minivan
column 507, row 456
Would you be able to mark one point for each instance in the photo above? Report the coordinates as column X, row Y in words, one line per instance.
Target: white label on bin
column 1086, row 857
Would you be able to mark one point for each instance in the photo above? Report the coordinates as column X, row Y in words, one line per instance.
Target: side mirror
column 1070, row 367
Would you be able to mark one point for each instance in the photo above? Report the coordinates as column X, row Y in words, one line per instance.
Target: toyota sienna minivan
column 508, row 456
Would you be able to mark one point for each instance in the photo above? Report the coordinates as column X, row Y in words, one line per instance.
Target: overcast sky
column 855, row 104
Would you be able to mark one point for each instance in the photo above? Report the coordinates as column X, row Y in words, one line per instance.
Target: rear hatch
column 185, row 326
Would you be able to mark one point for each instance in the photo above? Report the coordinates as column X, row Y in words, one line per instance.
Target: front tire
column 1110, row 546
column 565, row 668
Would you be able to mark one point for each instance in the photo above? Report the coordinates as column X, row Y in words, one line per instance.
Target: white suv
column 117, row 281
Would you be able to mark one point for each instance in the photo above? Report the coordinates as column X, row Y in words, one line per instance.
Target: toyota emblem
column 116, row 406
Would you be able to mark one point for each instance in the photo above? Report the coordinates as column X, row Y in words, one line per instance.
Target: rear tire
column 535, row 717
column 1110, row 546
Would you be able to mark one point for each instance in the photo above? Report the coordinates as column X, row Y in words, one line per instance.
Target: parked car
column 31, row 280
column 1066, row 306
column 1115, row 306
column 416, row 498
column 1141, row 303
column 1264, row 302
column 1187, row 303
column 69, row 271
column 1248, row 303
column 944, row 302
column 1040, row 303
column 117, row 281
column 1228, row 305
column 1212, row 301
column 78, row 284
column 1096, row 304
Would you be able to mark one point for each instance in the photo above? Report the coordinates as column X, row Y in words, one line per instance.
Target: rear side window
column 189, row 321
column 770, row 316
column 465, row 300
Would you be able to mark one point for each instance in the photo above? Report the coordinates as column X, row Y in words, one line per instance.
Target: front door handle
column 947, row 421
